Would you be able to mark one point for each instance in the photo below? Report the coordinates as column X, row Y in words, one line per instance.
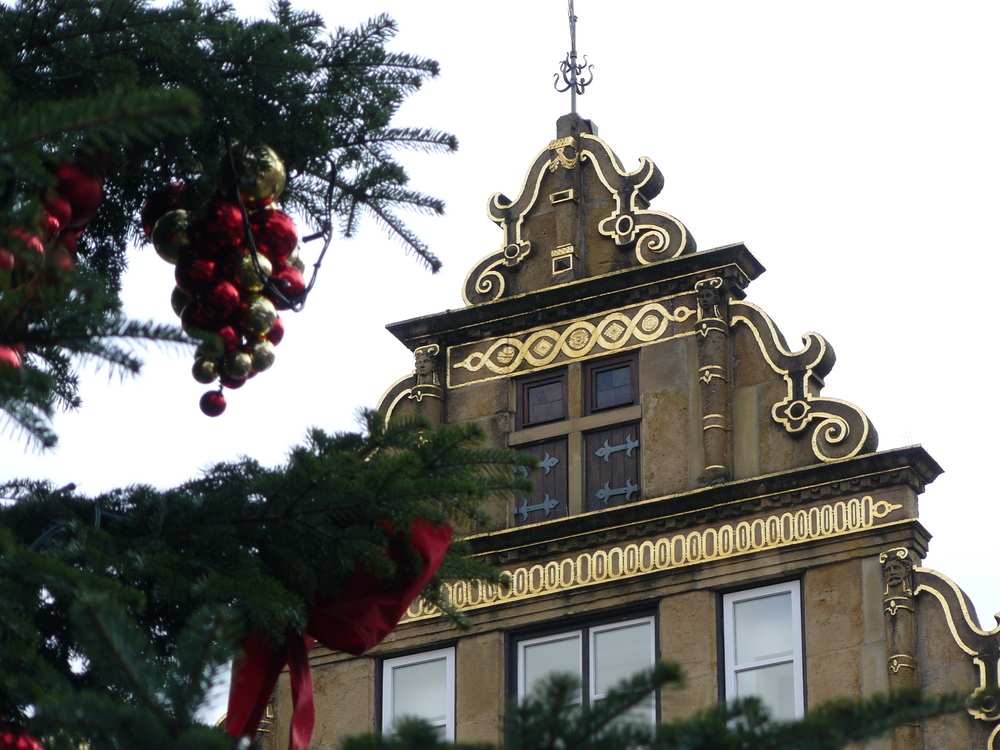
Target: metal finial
column 570, row 70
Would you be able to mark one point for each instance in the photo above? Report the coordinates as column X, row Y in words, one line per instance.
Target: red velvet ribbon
column 354, row 620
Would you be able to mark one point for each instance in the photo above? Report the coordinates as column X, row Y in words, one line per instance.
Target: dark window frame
column 591, row 370
column 560, row 376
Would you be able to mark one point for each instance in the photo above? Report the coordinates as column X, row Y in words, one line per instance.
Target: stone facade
column 690, row 465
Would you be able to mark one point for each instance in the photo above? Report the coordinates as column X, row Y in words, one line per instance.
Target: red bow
column 354, row 620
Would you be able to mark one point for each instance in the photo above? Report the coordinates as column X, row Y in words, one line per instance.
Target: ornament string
column 296, row 303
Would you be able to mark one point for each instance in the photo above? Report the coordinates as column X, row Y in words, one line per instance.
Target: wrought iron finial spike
column 571, row 71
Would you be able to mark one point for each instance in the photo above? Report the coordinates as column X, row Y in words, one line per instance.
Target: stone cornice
column 585, row 297
column 910, row 467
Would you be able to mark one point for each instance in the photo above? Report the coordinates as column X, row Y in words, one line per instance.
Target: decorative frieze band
column 612, row 331
column 636, row 559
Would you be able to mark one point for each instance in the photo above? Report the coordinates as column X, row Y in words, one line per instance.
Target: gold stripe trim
column 623, row 562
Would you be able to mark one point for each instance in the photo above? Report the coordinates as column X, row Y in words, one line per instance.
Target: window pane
column 561, row 654
column 545, row 402
column 763, row 628
column 613, row 387
column 421, row 690
column 774, row 685
column 621, row 652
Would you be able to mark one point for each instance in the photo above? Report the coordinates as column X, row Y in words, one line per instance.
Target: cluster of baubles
column 46, row 256
column 236, row 267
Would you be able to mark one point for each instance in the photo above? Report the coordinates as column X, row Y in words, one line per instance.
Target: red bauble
column 277, row 332
column 158, row 202
column 59, row 208
column 196, row 319
column 9, row 357
column 193, row 274
column 231, row 338
column 223, row 298
column 222, row 227
column 275, row 234
column 6, row 260
column 16, row 739
column 68, row 238
column 230, row 382
column 289, row 281
column 82, row 189
column 212, row 403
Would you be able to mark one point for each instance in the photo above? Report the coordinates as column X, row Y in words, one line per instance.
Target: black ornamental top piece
column 571, row 72
column 579, row 214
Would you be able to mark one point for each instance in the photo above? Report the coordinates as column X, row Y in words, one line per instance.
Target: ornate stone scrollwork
column 654, row 235
column 838, row 429
column 982, row 646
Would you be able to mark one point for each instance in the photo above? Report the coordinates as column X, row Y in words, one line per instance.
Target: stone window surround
column 727, row 639
column 387, row 668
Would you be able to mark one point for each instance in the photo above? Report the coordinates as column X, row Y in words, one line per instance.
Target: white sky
column 851, row 146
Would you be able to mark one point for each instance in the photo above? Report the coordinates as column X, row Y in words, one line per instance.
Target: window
column 762, row 634
column 423, row 686
column 611, row 383
column 541, row 399
column 600, row 656
column 611, row 462
column 549, row 498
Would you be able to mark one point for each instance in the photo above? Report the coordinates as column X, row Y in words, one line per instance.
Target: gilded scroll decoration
column 635, row 559
column 574, row 340
column 837, row 429
column 654, row 235
column 982, row 646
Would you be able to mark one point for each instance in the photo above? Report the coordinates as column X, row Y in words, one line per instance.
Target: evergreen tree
column 142, row 96
column 118, row 607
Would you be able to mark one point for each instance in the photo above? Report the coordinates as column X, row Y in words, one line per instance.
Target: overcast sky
column 852, row 146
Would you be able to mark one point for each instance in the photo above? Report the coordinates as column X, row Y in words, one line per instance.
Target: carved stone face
column 895, row 572
column 424, row 364
column 708, row 297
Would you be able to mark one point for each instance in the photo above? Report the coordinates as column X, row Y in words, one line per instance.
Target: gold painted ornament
column 259, row 316
column 170, row 234
column 179, row 299
column 204, row 370
column 238, row 365
column 245, row 272
column 263, row 177
column 262, row 355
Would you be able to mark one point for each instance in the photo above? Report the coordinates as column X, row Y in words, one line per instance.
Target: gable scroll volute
column 836, row 429
column 579, row 214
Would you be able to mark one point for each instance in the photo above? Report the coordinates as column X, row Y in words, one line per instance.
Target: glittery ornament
column 179, row 299
column 245, row 274
column 258, row 317
column 158, row 202
column 277, row 332
column 170, row 235
column 263, row 177
column 275, row 234
column 204, row 370
column 81, row 189
column 213, row 403
column 262, row 355
column 221, row 228
column 238, row 365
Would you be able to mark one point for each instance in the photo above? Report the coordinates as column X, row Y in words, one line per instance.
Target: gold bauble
column 170, row 234
column 262, row 355
column 204, row 370
column 259, row 316
column 179, row 300
column 246, row 274
column 238, row 365
column 263, row 177
column 295, row 261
